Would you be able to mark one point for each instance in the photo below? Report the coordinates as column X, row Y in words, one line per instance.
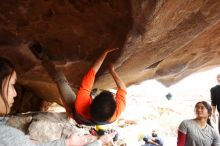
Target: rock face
column 164, row 40
column 44, row 127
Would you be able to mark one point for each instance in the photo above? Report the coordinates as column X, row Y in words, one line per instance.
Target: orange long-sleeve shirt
column 84, row 100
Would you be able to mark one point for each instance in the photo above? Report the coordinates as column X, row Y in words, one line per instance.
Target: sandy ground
column 149, row 108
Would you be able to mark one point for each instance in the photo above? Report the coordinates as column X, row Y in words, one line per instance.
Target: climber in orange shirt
column 103, row 109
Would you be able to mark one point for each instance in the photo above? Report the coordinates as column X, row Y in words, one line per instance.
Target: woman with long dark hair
column 198, row 131
column 10, row 136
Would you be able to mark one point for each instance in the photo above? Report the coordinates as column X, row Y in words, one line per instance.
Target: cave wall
column 157, row 39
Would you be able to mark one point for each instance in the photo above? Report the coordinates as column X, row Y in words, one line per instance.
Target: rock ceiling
column 165, row 40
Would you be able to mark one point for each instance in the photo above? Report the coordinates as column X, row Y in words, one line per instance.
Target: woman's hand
column 79, row 140
column 107, row 137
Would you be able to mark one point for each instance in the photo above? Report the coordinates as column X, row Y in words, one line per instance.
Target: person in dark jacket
column 215, row 100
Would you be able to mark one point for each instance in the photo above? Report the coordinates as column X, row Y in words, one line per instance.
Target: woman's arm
column 181, row 139
column 107, row 138
column 89, row 140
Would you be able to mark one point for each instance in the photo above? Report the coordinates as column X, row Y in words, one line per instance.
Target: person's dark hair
column 103, row 106
column 208, row 107
column 6, row 70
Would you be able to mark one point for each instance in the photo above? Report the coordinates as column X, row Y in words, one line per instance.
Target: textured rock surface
column 44, row 127
column 54, row 125
column 164, row 40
